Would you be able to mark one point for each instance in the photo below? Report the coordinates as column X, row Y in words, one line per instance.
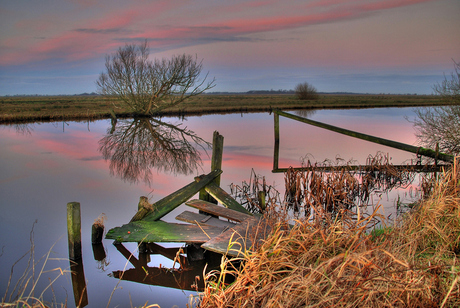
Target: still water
column 43, row 166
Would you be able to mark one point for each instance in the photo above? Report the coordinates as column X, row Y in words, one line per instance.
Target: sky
column 52, row 47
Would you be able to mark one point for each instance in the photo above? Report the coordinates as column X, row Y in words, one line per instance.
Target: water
column 46, row 165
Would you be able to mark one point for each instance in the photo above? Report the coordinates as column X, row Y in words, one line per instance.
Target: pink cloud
column 92, row 38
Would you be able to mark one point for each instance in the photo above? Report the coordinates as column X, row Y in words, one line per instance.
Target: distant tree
column 306, row 91
column 147, row 86
column 450, row 89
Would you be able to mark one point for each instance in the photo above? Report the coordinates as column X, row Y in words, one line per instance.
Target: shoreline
column 94, row 107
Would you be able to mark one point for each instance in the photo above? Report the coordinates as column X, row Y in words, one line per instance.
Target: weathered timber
column 223, row 197
column 216, row 163
column 241, row 238
column 220, row 211
column 276, row 153
column 97, row 232
column 144, row 207
column 170, row 202
column 382, row 141
column 363, row 168
column 160, row 231
column 201, row 219
column 74, row 230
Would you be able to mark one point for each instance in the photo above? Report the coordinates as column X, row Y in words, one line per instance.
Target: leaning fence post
column 216, row 164
column 74, row 230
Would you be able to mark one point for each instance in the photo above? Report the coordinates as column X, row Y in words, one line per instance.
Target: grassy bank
column 339, row 263
column 91, row 107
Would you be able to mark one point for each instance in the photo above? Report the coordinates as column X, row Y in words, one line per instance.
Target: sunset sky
column 368, row 46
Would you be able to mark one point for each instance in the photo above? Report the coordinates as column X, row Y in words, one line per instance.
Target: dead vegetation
column 334, row 261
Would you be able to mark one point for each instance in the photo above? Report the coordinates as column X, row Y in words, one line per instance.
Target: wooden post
column 276, row 154
column 74, row 230
column 216, row 164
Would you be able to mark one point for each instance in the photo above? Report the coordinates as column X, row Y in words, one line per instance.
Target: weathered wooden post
column 276, row 153
column 216, row 164
column 74, row 230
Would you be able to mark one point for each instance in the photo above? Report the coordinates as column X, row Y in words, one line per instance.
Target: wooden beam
column 382, row 141
column 201, row 219
column 170, row 202
column 160, row 231
column 223, row 197
column 220, row 211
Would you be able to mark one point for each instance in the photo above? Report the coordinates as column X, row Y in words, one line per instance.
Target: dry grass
column 336, row 263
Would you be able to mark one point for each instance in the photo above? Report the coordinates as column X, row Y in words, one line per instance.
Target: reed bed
column 333, row 261
column 336, row 185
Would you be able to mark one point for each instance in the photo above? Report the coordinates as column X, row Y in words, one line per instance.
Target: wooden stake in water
column 74, row 230
column 216, row 163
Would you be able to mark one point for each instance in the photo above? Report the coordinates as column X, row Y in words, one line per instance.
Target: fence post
column 74, row 230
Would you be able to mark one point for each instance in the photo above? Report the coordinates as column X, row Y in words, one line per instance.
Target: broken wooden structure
column 227, row 228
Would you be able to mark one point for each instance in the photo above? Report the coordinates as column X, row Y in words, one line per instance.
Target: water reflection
column 134, row 147
column 187, row 276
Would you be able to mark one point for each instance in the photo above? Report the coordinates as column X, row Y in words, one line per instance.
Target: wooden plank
column 223, row 197
column 386, row 142
column 220, row 211
column 160, row 231
column 170, row 202
column 239, row 239
column 202, row 219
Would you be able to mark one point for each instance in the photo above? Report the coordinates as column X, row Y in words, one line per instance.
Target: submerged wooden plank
column 214, row 209
column 239, row 239
column 160, row 231
column 202, row 219
column 170, row 202
column 223, row 197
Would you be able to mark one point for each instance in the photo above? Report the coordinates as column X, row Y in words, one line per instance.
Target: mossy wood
column 216, row 163
column 160, row 231
column 220, row 211
column 382, row 141
column 170, row 202
column 223, row 197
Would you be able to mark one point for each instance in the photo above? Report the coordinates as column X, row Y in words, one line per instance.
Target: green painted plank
column 160, row 231
column 217, row 210
column 223, row 197
column 170, row 202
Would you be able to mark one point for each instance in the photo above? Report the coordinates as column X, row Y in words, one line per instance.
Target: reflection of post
column 76, row 262
column 79, row 283
column 216, row 163
column 276, row 153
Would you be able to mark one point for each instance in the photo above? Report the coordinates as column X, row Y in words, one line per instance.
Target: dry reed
column 338, row 264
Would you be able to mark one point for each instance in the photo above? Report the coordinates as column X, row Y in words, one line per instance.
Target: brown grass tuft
column 336, row 263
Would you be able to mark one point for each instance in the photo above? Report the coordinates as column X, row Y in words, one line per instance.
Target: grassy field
column 90, row 107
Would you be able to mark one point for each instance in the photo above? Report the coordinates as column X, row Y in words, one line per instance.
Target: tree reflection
column 135, row 147
column 439, row 125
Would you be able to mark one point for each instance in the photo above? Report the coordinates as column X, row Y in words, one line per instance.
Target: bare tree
column 147, row 86
column 450, row 89
column 306, row 91
column 439, row 126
